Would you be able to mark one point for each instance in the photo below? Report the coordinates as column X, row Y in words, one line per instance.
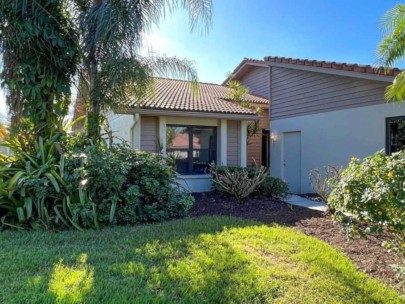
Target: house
column 254, row 75
column 195, row 127
column 323, row 113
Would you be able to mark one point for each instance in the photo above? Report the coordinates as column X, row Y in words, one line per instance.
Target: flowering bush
column 370, row 198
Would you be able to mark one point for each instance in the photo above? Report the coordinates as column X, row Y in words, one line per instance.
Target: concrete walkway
column 304, row 202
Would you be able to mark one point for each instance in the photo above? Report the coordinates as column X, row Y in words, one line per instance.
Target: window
column 192, row 147
column 395, row 134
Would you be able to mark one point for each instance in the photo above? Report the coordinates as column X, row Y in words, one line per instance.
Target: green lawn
column 198, row 260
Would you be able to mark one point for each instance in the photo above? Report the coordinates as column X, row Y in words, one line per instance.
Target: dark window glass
column 395, row 134
column 192, row 147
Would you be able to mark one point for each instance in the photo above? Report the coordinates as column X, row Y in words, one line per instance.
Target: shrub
column 238, row 182
column 322, row 182
column 43, row 186
column 33, row 189
column 370, row 198
column 273, row 187
column 129, row 187
column 270, row 187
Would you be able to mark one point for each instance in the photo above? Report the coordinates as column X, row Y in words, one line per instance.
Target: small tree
column 238, row 94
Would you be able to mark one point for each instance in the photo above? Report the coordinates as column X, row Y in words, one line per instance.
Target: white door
column 292, row 160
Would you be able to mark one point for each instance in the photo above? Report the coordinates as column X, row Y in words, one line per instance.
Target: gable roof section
column 337, row 68
column 243, row 67
column 179, row 95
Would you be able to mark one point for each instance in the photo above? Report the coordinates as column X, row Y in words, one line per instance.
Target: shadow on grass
column 198, row 260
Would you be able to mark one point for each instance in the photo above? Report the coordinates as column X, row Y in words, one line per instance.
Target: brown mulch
column 368, row 254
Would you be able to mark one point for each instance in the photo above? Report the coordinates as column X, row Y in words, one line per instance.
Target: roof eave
column 368, row 76
column 161, row 112
column 240, row 68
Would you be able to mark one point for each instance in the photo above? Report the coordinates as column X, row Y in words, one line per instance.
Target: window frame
column 190, row 150
column 388, row 132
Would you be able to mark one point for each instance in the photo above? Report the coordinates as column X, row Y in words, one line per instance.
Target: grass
column 199, row 260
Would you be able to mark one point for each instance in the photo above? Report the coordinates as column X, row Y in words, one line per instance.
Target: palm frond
column 173, row 67
column 396, row 91
column 392, row 47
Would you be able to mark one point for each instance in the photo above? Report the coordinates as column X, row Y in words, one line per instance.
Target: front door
column 292, row 160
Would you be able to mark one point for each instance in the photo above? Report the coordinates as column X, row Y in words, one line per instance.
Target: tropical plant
column 392, row 49
column 42, row 41
column 370, row 197
column 128, row 186
column 33, row 189
column 237, row 92
column 271, row 186
column 113, row 71
column 3, row 131
column 40, row 56
column 238, row 182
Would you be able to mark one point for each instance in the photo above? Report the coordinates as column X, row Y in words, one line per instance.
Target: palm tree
column 113, row 72
column 107, row 36
column 392, row 49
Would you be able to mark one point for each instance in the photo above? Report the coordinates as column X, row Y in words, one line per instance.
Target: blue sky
column 338, row 30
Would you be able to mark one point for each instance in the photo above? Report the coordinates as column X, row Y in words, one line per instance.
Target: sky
column 335, row 30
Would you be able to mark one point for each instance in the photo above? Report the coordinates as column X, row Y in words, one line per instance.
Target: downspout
column 135, row 121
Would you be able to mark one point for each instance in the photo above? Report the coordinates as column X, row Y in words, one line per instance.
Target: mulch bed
column 367, row 254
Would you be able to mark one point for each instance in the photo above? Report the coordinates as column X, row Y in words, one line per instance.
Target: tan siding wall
column 257, row 80
column 233, row 143
column 254, row 148
column 296, row 93
column 149, row 133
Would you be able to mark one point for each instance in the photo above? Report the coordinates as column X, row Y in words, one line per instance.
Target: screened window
column 395, row 134
column 192, row 147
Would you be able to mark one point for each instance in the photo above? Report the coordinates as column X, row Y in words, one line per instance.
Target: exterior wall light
column 273, row 136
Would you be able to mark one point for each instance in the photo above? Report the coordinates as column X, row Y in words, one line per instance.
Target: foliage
column 128, row 187
column 273, row 187
column 113, row 71
column 270, row 187
column 197, row 260
column 371, row 193
column 40, row 54
column 237, row 92
column 239, row 182
column 45, row 42
column 3, row 131
column 66, row 181
column 322, row 182
column 33, row 191
column 392, row 49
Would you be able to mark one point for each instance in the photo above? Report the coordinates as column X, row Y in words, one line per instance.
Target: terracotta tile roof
column 335, row 65
column 178, row 95
column 244, row 61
